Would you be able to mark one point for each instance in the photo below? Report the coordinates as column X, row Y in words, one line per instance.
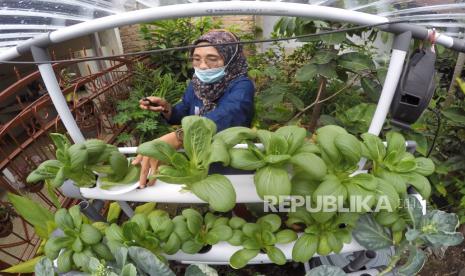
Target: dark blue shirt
column 234, row 108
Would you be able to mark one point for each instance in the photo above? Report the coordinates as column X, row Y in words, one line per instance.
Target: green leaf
column 304, row 248
column 173, row 244
column 145, row 208
column 237, row 238
column 276, row 159
column 219, row 233
column 286, row 236
column 306, row 73
column 219, row 153
column 270, row 222
column 197, row 138
column 44, row 267
column 245, row 159
column 61, row 141
column 387, row 190
column 114, row 212
column 349, row 146
column 180, row 228
column 375, row 149
column 424, row 166
column 266, row 238
column 356, row 62
column 148, row 262
column 95, row 148
column 24, row 267
column 273, row 143
column 191, row 247
column 325, row 139
column 63, row 220
column 200, row 270
column 326, row 270
column 217, row 190
column 370, row 234
column 33, row 213
column 272, row 181
column 455, row 114
column 240, row 258
column 302, row 185
column 75, row 214
column 141, row 221
column 327, row 70
column 234, row 135
column 311, row 164
column 415, row 262
column 276, row 255
column 129, row 270
column 131, row 177
column 396, row 180
column 296, row 101
column 250, row 229
column 420, row 183
column 236, row 222
column 194, row 220
column 114, row 233
column 413, row 211
column 395, row 143
column 371, row 88
column 158, row 150
column 324, row 56
column 78, row 156
column 331, row 186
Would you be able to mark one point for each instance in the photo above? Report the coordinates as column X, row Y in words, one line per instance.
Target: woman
column 219, row 90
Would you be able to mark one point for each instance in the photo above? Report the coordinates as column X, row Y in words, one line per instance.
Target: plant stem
column 317, row 110
column 391, row 265
column 324, row 100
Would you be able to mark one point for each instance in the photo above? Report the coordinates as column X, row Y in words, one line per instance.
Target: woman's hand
column 156, row 104
column 148, row 163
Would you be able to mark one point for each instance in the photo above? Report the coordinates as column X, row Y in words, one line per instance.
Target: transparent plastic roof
column 23, row 19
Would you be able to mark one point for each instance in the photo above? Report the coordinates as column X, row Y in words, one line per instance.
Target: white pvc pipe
column 221, row 252
column 171, row 193
column 390, row 84
column 9, row 54
column 53, row 89
column 132, row 150
column 214, row 9
column 207, row 9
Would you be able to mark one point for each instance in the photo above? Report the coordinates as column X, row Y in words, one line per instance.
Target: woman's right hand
column 156, row 104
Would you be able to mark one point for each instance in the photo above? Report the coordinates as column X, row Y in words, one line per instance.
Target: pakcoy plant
column 282, row 148
column 197, row 232
column 397, row 166
column 321, row 238
column 80, row 162
column 191, row 168
column 262, row 236
column 433, row 229
column 132, row 261
column 79, row 242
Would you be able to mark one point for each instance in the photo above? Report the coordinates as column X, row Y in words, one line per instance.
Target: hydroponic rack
column 243, row 184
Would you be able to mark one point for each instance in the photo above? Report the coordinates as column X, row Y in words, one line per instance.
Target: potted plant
column 6, row 216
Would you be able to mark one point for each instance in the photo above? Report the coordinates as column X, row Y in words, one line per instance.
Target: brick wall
column 132, row 40
column 242, row 23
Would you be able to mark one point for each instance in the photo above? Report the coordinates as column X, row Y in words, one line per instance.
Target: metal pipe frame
column 224, row 8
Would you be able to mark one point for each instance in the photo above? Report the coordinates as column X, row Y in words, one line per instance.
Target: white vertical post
column 399, row 52
column 54, row 90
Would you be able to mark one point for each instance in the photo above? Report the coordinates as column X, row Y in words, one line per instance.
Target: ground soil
column 452, row 264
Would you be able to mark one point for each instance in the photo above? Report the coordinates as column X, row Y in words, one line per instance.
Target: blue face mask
column 210, row 75
column 213, row 74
